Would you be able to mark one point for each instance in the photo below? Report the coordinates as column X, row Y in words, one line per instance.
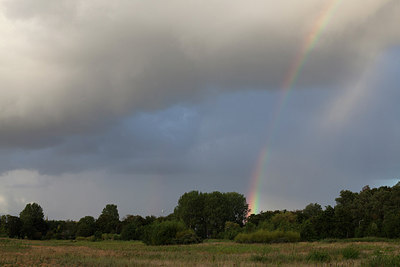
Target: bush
column 97, row 236
column 350, row 253
column 231, row 230
column 168, row 233
column 308, row 232
column 131, row 231
column 187, row 237
column 318, row 256
column 264, row 236
column 249, row 227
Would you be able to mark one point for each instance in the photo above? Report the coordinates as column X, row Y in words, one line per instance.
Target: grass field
column 211, row 253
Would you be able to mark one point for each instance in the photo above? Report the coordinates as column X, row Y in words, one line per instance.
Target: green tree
column 132, row 227
column 312, row 209
column 237, row 208
column 108, row 221
column 285, row 221
column 215, row 213
column 33, row 224
column 346, row 221
column 11, row 226
column 86, row 226
column 190, row 210
column 3, row 230
column 308, row 232
column 207, row 213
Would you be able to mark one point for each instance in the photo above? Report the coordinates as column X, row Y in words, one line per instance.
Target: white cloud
column 23, row 178
column 3, row 205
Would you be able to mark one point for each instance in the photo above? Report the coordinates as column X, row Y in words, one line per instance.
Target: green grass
column 360, row 239
column 318, row 256
column 12, row 245
column 380, row 259
column 351, row 252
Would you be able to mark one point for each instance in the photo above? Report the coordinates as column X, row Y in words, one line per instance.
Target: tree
column 284, row 221
column 108, row 221
column 263, row 216
column 33, row 224
column 237, row 207
column 215, row 213
column 10, row 226
column 3, row 229
column 345, row 214
column 190, row 210
column 308, row 232
column 132, row 227
column 325, row 224
column 312, row 209
column 86, row 226
column 207, row 213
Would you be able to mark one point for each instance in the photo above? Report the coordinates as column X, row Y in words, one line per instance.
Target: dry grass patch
column 124, row 253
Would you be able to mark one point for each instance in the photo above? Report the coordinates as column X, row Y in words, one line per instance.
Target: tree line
column 197, row 216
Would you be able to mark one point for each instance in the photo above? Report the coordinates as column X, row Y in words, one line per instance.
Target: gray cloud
column 145, row 162
column 73, row 67
column 136, row 102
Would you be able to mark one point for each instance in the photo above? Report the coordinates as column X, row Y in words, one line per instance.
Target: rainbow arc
column 309, row 43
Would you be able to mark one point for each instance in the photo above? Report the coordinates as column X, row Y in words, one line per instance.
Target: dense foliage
column 207, row 213
column 372, row 212
column 169, row 233
column 265, row 236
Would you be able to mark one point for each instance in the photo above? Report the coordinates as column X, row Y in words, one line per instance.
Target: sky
column 137, row 102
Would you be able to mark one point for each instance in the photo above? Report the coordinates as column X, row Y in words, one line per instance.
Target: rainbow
column 291, row 77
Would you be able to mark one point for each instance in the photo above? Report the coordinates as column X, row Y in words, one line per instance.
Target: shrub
column 264, row 236
column 81, row 238
column 231, row 230
column 249, row 227
column 97, row 236
column 110, row 237
column 308, row 232
column 86, row 226
column 132, row 231
column 187, row 237
column 318, row 256
column 350, row 253
column 168, row 233
column 129, row 232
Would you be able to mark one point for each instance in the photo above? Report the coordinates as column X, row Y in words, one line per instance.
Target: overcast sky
column 135, row 102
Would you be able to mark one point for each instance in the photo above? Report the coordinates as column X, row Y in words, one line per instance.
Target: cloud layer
column 136, row 102
column 70, row 67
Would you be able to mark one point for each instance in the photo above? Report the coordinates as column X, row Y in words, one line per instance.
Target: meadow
column 362, row 252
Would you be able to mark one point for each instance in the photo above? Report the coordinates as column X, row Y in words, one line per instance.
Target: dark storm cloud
column 73, row 67
column 146, row 161
column 136, row 102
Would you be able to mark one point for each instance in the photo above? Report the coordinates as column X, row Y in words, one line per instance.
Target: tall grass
column 350, row 253
column 15, row 252
column 318, row 256
column 9, row 245
column 265, row 236
column 380, row 259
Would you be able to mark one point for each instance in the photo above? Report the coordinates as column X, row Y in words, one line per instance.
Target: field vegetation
column 210, row 253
